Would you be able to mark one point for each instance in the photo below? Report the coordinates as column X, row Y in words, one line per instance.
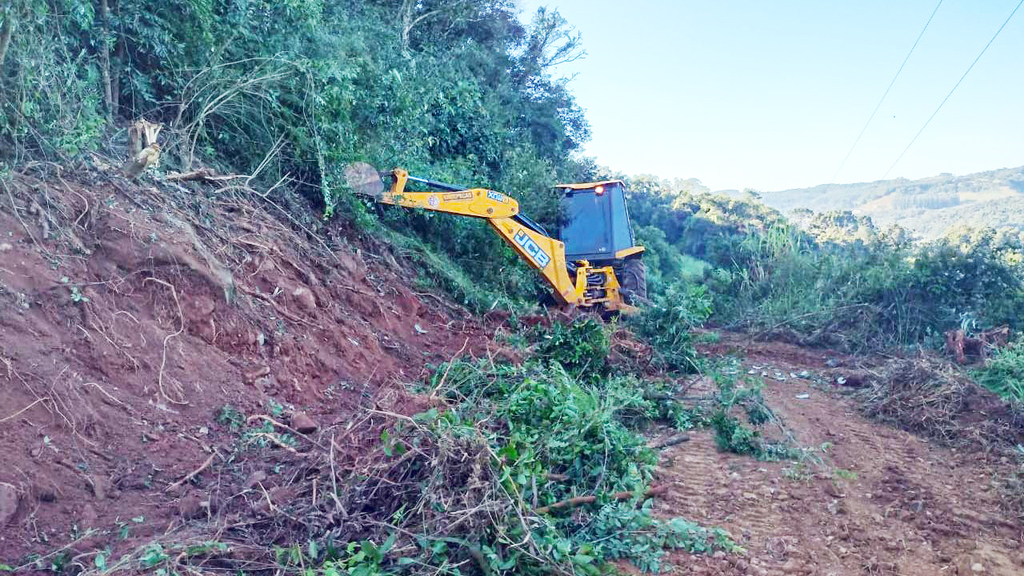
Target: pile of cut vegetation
column 929, row 396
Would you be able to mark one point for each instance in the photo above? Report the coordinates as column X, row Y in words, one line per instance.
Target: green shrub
column 542, row 421
column 669, row 322
column 1004, row 372
column 732, row 435
column 580, row 347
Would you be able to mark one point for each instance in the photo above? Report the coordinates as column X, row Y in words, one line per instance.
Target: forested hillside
column 929, row 207
column 456, row 91
column 290, row 92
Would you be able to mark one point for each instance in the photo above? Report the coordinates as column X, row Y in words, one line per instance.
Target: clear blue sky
column 771, row 94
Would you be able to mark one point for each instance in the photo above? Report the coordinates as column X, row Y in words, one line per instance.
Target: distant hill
column 928, row 207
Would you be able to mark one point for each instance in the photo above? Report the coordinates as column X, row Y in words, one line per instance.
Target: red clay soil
column 131, row 315
column 873, row 500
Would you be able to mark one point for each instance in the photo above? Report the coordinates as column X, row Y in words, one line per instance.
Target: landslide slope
column 140, row 324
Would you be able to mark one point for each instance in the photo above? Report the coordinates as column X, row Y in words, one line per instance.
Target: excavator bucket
column 364, row 179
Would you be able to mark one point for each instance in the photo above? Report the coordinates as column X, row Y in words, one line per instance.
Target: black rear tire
column 634, row 281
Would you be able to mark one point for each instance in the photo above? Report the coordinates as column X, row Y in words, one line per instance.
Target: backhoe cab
column 595, row 227
column 594, row 263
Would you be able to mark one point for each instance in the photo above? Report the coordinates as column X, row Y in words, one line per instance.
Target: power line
column 879, row 105
column 914, row 139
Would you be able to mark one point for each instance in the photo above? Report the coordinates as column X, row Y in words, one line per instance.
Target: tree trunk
column 115, row 80
column 6, row 32
column 407, row 24
column 108, row 97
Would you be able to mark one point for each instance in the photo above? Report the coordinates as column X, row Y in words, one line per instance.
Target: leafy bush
column 580, row 347
column 541, row 422
column 669, row 322
column 1004, row 372
column 732, row 435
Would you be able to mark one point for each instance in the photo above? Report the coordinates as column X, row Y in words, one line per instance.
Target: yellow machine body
column 543, row 253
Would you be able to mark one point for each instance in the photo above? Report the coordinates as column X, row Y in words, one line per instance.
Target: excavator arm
column 542, row 252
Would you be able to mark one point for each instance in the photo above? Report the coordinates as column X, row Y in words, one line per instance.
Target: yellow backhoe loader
column 593, row 263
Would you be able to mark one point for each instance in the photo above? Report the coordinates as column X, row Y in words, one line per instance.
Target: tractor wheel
column 634, row 280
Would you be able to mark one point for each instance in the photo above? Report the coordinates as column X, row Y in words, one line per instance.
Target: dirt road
column 868, row 499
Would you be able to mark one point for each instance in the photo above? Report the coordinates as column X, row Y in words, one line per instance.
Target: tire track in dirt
column 869, row 499
column 709, row 484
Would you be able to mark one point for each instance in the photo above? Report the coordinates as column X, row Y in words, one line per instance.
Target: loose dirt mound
column 138, row 324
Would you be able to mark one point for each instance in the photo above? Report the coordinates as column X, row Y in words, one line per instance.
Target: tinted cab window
column 596, row 225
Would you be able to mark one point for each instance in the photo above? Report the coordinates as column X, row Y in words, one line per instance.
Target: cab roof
column 588, row 185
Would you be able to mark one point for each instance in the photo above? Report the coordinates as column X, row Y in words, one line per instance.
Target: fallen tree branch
column 573, row 502
column 203, row 174
column 194, row 473
column 671, row 442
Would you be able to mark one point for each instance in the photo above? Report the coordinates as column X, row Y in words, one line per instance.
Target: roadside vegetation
column 462, row 92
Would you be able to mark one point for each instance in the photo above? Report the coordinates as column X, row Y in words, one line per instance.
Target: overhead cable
column 912, row 140
column 882, row 99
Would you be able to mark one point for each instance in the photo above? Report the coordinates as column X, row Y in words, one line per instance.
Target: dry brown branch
column 16, row 414
column 202, row 174
column 670, row 442
column 929, row 396
column 188, row 477
column 217, row 96
column 573, row 502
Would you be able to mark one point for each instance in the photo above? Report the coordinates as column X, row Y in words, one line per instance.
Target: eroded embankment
column 138, row 324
